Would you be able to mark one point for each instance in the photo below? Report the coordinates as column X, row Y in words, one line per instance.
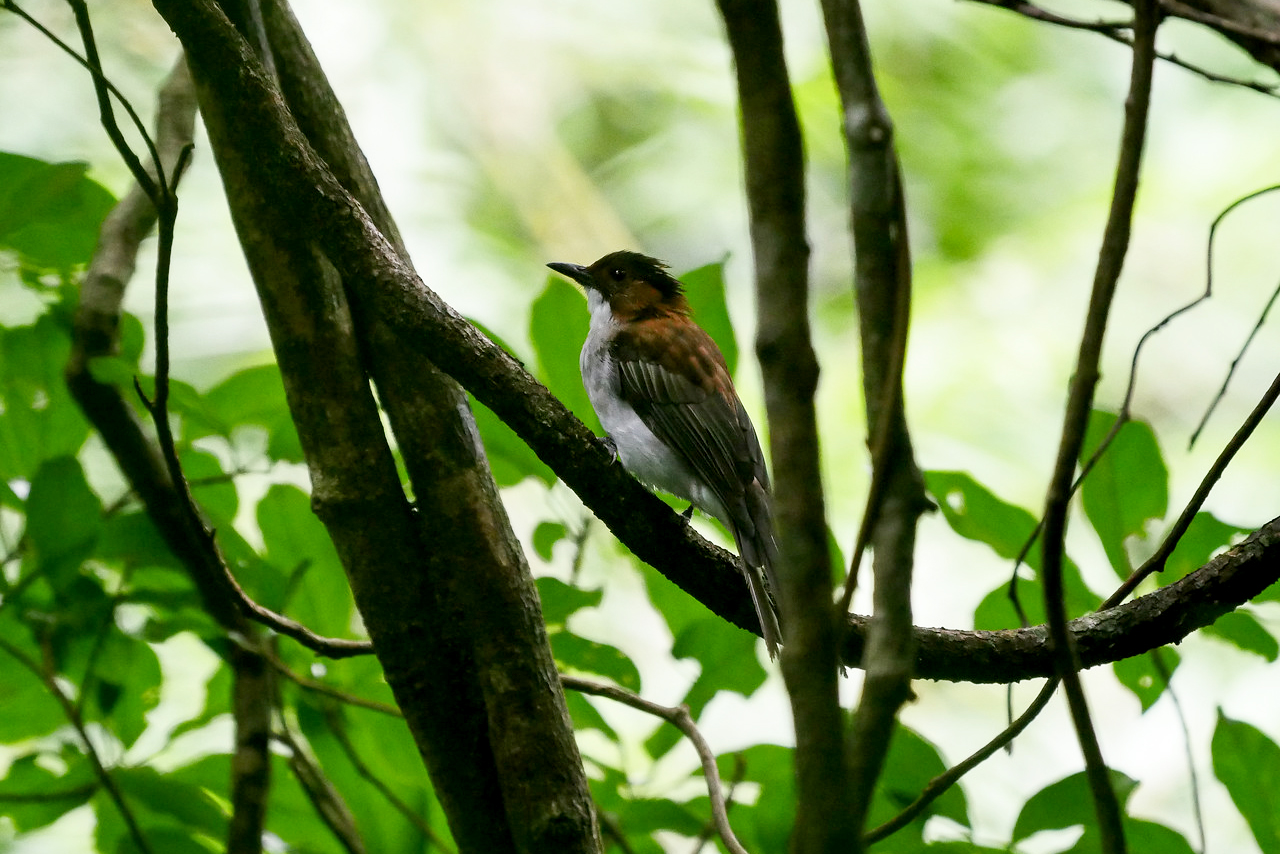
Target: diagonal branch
column 679, row 717
column 1115, row 244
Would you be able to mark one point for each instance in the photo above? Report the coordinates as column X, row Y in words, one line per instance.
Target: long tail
column 759, row 552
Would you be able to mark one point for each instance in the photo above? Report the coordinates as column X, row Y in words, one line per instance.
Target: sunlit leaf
column 296, row 542
column 704, row 288
column 557, row 328
column 559, row 600
column 43, row 797
column 588, row 656
column 50, row 213
column 1143, row 677
column 1248, row 764
column 1127, row 487
column 1243, row 630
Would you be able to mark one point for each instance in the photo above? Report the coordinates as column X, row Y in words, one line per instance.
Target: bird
column 662, row 391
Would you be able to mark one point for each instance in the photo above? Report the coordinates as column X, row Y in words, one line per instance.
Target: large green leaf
column 911, row 763
column 1144, row 677
column 510, row 459
column 559, row 600
column 296, row 542
column 727, row 661
column 43, row 797
column 976, row 513
column 1066, row 803
column 50, row 212
column 704, row 288
column 1127, row 488
column 38, row 418
column 128, row 685
column 557, row 327
column 1243, row 630
column 253, row 396
column 580, row 654
column 1248, row 764
column 64, row 516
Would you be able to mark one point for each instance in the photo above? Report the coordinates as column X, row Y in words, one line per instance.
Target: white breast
column 641, row 452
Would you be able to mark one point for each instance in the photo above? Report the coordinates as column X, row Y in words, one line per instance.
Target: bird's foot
column 688, row 513
column 610, row 446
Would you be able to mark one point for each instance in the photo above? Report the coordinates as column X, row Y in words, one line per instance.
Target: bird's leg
column 688, row 513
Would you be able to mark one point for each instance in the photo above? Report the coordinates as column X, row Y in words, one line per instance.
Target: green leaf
column 728, row 663
column 1143, row 677
column 1244, row 631
column 1128, row 486
column 1204, row 538
column 129, row 680
column 64, row 516
column 545, row 536
column 559, row 600
column 1248, row 764
column 588, row 656
column 911, row 763
column 976, row 513
column 557, row 327
column 296, row 541
column 192, row 806
column 586, row 716
column 39, row 419
column 254, row 396
column 50, row 212
column 769, row 821
column 61, row 793
column 510, row 459
column 212, row 489
column 1067, row 803
column 704, row 288
column 132, row 540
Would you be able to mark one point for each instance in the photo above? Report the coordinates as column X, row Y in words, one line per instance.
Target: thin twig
column 1213, row 233
column 328, row 802
column 45, row 675
column 1157, row 561
column 102, row 85
column 1158, row 660
column 679, row 717
column 338, row 728
column 709, row 830
column 944, row 781
column 1115, row 244
column 326, row 646
column 329, row 691
column 1115, row 31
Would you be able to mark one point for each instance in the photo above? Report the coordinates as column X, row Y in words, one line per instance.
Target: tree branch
column 882, row 280
column 774, row 165
column 1115, row 244
column 679, row 717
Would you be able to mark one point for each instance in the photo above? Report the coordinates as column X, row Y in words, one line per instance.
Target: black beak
column 577, row 272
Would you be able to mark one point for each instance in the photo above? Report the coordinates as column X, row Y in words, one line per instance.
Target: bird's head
column 634, row 285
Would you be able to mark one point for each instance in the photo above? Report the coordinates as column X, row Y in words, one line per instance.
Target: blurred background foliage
column 507, row 135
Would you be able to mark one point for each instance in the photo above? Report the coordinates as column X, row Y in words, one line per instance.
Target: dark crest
column 634, row 265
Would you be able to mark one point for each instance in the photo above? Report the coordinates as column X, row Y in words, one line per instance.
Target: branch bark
column 882, row 286
column 774, row 164
column 448, row 579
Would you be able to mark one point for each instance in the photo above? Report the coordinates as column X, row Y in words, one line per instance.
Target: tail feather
column 759, row 552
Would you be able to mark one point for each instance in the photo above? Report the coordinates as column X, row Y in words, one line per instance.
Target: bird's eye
column 617, row 275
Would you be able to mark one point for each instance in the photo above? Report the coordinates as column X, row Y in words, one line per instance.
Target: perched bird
column 663, row 393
